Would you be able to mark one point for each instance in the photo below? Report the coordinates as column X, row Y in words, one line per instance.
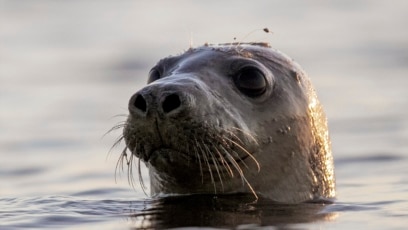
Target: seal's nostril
column 140, row 103
column 171, row 103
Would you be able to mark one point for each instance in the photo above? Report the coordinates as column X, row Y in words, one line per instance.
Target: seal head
column 232, row 118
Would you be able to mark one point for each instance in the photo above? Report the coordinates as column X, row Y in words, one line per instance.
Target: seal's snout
column 155, row 101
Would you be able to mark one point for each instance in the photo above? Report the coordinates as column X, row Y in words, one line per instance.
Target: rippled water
column 67, row 68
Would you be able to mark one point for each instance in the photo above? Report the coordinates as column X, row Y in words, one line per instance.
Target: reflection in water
column 225, row 211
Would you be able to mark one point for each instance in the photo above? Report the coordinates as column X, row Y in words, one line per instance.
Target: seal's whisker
column 120, row 125
column 131, row 178
column 141, row 182
column 119, row 163
column 250, row 188
column 241, row 161
column 199, row 161
column 205, row 157
column 129, row 161
column 188, row 153
column 215, row 160
column 120, row 115
column 248, row 153
column 234, row 136
column 225, row 145
column 139, row 168
column 231, row 149
column 223, row 161
column 248, row 134
column 118, row 140
column 129, row 168
column 240, row 172
column 232, row 161
column 115, row 144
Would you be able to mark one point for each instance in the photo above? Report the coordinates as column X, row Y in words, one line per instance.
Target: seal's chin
column 173, row 164
column 164, row 158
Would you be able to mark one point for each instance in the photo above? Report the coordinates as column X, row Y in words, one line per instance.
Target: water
column 67, row 68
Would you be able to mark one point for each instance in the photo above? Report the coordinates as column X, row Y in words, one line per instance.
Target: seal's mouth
column 175, row 156
column 167, row 154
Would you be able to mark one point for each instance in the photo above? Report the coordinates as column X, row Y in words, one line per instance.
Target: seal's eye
column 154, row 75
column 251, row 81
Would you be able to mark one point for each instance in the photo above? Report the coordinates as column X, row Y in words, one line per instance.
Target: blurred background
column 67, row 68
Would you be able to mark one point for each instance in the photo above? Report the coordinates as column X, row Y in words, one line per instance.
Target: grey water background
column 67, row 68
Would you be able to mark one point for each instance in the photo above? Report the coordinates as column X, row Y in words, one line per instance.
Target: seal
column 231, row 118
